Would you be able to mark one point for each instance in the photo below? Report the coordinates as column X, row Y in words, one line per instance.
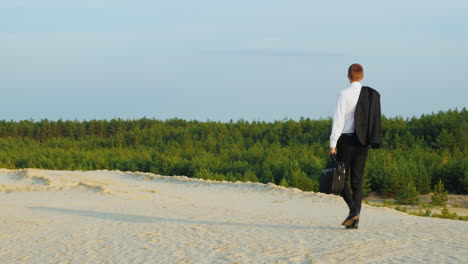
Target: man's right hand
column 332, row 151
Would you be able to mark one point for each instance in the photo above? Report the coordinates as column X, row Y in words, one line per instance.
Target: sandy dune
column 123, row 217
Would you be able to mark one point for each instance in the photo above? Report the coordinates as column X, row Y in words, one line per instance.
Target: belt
column 348, row 134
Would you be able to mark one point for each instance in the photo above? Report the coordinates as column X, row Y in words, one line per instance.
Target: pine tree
column 284, row 182
column 408, row 194
column 439, row 196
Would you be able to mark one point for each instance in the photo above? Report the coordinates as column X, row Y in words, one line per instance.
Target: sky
column 262, row 60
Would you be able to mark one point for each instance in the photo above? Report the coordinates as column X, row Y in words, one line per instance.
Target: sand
column 125, row 217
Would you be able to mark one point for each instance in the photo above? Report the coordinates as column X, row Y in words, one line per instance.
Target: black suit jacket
column 367, row 118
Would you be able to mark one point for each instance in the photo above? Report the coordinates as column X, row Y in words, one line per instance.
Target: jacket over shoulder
column 367, row 118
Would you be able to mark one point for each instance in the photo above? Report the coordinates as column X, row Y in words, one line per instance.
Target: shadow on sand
column 129, row 218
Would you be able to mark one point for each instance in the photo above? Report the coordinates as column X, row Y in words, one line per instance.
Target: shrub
column 408, row 195
column 447, row 214
column 401, row 209
column 439, row 197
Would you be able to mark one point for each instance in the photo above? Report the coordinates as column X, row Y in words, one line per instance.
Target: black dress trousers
column 354, row 155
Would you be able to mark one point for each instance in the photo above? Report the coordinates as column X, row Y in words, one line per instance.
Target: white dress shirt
column 343, row 121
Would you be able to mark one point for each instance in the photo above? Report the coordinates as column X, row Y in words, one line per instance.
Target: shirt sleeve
column 338, row 121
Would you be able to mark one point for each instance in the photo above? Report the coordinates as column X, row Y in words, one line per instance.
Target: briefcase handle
column 333, row 157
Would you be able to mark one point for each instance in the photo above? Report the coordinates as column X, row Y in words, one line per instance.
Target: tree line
column 421, row 150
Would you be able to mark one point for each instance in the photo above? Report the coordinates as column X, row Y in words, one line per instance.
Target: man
column 356, row 126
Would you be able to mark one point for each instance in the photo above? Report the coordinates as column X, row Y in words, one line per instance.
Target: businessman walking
column 356, row 127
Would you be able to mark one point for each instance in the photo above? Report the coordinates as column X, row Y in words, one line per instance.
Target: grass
column 445, row 213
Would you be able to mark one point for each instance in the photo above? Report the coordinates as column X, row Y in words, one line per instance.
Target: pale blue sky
column 221, row 60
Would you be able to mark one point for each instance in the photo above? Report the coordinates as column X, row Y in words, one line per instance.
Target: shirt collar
column 356, row 84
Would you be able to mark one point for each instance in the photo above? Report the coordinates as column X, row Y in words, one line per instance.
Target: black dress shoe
column 354, row 225
column 351, row 218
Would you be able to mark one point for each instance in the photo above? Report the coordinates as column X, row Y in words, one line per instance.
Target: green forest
column 419, row 150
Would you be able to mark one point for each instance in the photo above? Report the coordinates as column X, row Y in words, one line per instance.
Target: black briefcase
column 333, row 177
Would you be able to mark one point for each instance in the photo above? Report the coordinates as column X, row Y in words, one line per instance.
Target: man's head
column 355, row 72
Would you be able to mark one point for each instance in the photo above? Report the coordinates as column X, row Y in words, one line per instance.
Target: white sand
column 123, row 217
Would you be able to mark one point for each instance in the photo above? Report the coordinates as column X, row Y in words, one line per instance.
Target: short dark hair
column 355, row 72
